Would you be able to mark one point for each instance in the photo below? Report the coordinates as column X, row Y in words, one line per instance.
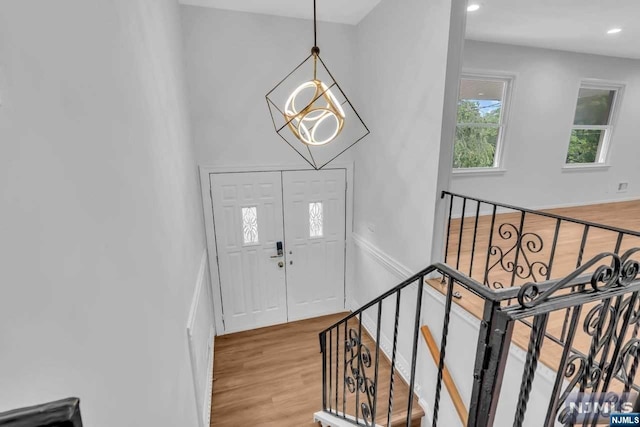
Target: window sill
column 585, row 167
column 478, row 172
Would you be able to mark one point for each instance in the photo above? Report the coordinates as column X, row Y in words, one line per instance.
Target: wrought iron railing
column 502, row 245
column 360, row 373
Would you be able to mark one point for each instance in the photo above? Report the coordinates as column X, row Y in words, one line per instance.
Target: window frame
column 604, row 146
column 495, row 76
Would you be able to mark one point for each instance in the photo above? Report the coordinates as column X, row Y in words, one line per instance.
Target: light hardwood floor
column 273, row 377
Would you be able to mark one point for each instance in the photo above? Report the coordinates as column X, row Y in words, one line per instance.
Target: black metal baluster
column 464, row 209
column 337, row 363
column 485, row 281
column 475, row 235
column 414, row 351
column 552, row 255
column 536, row 340
column 359, row 377
column 632, row 372
column 375, row 375
column 518, row 245
column 446, row 248
column 330, row 370
column 323, row 338
column 616, row 250
column 393, row 357
column 583, row 243
column 443, row 348
column 344, row 365
column 555, row 394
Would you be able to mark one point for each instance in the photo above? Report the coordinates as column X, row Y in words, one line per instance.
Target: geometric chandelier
column 311, row 112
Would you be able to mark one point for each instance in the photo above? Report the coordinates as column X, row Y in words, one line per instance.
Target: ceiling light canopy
column 473, row 7
column 311, row 112
column 614, row 31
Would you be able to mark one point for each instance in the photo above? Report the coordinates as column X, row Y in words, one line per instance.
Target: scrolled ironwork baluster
column 556, row 399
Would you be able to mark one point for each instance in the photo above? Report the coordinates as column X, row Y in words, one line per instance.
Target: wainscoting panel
column 201, row 334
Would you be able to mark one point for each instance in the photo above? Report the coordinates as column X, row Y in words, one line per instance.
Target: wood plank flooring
column 273, row 377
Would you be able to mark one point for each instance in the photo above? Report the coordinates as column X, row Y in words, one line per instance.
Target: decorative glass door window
column 250, row 225
column 315, row 219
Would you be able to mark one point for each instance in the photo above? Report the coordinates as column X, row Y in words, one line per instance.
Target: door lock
column 279, row 249
column 280, row 264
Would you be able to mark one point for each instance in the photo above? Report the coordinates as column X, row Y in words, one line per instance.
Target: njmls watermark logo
column 631, row 419
column 602, row 408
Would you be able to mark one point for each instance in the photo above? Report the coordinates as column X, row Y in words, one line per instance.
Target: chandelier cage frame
column 288, row 124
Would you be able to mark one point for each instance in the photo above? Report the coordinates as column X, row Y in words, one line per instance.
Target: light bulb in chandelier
column 321, row 119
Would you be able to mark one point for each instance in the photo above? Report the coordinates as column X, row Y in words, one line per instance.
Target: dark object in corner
column 62, row 413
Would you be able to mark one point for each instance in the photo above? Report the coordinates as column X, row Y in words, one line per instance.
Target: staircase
column 370, row 357
column 566, row 290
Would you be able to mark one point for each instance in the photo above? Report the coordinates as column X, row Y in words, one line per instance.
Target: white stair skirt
column 330, row 420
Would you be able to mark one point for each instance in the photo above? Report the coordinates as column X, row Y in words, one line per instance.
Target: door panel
column 314, row 213
column 248, row 219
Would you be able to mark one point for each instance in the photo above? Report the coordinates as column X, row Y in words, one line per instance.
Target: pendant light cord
column 315, row 31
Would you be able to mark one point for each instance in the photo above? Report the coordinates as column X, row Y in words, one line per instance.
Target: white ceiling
column 340, row 11
column 572, row 25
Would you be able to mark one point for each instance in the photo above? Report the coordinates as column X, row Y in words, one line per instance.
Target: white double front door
column 280, row 239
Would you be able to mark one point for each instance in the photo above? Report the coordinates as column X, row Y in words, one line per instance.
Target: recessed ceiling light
column 614, row 31
column 473, row 7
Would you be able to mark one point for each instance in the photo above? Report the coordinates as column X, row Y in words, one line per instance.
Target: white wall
column 403, row 49
column 233, row 60
column 101, row 234
column 402, row 58
column 537, row 136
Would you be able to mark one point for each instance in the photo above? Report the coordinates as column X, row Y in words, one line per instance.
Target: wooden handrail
column 446, row 376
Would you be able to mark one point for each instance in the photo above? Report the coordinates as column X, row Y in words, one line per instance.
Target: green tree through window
column 479, row 123
column 591, row 125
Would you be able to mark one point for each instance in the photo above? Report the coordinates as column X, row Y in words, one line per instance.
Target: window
column 315, row 219
column 481, row 120
column 250, row 225
column 591, row 131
